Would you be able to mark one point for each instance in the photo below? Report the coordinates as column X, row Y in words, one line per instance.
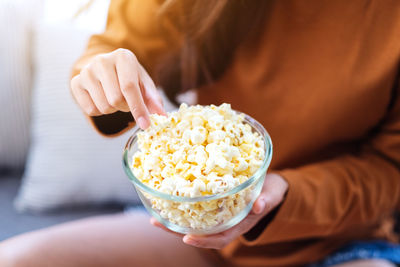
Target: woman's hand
column 117, row 82
column 272, row 194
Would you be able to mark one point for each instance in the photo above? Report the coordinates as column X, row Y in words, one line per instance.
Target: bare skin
column 113, row 82
column 116, row 81
column 272, row 194
column 118, row 240
column 367, row 263
column 111, row 241
column 130, row 240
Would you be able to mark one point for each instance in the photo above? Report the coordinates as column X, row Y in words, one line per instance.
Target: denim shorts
column 382, row 250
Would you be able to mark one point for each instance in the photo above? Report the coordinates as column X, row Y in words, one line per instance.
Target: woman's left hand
column 272, row 194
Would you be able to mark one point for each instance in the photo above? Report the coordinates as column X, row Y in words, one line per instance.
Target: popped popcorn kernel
column 194, row 152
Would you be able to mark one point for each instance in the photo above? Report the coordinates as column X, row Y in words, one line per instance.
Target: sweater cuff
column 114, row 124
column 268, row 229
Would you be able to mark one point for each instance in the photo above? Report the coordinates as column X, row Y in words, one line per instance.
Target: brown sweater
column 323, row 82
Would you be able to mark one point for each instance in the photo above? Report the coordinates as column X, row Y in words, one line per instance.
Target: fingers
column 156, row 223
column 152, row 101
column 128, row 75
column 116, row 81
column 84, row 100
column 217, row 241
column 272, row 194
column 220, row 240
column 107, row 75
column 96, row 92
column 259, row 205
column 151, row 97
column 211, row 241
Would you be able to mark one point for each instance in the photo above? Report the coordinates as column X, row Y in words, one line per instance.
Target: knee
column 7, row 256
column 14, row 254
column 376, row 263
column 382, row 263
column 367, row 263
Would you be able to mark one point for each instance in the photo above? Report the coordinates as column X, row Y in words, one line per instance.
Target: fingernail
column 142, row 122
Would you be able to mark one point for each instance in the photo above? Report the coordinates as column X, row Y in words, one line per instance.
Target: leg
column 366, row 263
column 117, row 240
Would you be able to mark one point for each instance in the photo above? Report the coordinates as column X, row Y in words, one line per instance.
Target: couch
column 13, row 223
column 54, row 167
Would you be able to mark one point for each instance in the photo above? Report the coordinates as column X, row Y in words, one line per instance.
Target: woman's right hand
column 117, row 82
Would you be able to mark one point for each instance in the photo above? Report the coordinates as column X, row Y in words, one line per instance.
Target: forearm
column 331, row 197
column 130, row 25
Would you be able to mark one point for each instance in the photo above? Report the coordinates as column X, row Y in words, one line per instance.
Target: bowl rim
column 257, row 175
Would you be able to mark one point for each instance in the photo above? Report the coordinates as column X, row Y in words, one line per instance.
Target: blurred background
column 53, row 166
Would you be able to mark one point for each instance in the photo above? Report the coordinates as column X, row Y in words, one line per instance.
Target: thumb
column 259, row 205
column 155, row 104
column 265, row 203
column 272, row 194
column 150, row 94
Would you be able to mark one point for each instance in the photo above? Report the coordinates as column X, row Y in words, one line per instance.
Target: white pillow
column 16, row 19
column 69, row 162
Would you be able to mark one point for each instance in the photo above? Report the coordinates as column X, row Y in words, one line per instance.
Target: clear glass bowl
column 201, row 215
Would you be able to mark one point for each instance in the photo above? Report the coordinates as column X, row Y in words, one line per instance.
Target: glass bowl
column 206, row 214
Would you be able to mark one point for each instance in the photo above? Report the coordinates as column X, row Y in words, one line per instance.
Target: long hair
column 211, row 32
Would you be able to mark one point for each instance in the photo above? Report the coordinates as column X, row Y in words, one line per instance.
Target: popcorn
column 198, row 135
column 194, row 152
